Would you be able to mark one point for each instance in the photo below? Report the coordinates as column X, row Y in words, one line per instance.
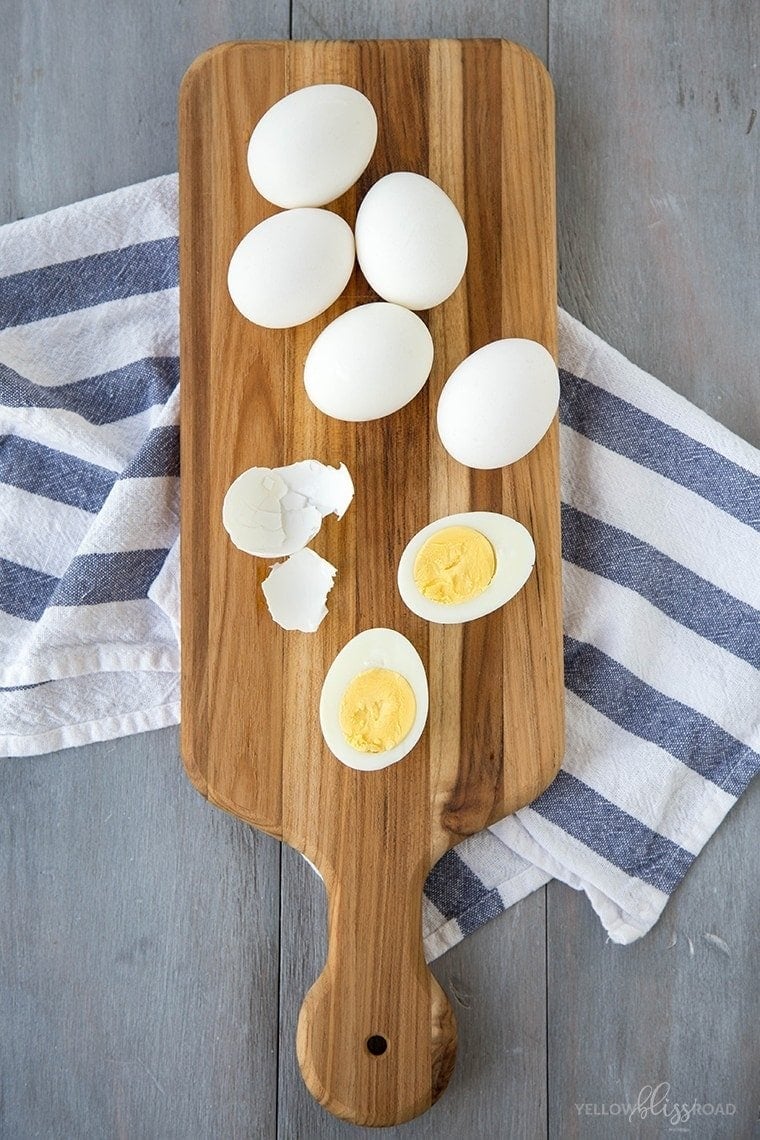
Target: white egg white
column 515, row 557
column 372, row 649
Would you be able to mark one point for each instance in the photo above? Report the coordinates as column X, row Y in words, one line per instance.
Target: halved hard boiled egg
column 374, row 701
column 465, row 566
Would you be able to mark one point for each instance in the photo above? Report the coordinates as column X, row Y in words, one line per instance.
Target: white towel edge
column 103, row 659
column 90, row 732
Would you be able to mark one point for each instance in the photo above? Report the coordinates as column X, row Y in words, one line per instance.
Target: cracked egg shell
column 296, row 590
column 273, row 512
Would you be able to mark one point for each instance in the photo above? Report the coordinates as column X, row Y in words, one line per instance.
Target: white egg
column 273, row 512
column 368, row 362
column 291, row 267
column 498, row 403
column 296, row 590
column 311, row 146
column 514, row 554
column 374, row 649
column 410, row 241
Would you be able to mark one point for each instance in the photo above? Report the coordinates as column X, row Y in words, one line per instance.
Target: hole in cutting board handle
column 376, row 1045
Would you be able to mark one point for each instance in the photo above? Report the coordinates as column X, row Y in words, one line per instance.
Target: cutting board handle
column 376, row 1037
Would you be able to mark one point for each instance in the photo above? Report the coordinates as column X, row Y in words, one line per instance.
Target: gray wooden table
column 154, row 951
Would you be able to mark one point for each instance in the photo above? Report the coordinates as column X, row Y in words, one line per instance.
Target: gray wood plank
column 657, row 177
column 140, row 943
column 398, row 19
column 90, row 90
column 496, row 984
column 657, row 149
column 681, row 1007
column 138, row 952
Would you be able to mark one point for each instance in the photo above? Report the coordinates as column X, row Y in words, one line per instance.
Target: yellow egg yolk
column 377, row 710
column 455, row 564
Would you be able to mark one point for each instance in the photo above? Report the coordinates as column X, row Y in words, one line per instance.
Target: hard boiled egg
column 410, row 241
column 465, row 566
column 311, row 146
column 368, row 362
column 498, row 403
column 374, row 701
column 291, row 267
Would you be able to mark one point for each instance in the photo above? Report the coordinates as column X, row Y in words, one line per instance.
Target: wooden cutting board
column 477, row 117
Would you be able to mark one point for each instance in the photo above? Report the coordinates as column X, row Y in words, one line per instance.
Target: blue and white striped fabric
column 660, row 521
column 661, row 511
column 89, row 458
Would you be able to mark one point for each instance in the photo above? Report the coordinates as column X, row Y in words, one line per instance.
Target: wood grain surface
column 153, row 949
column 478, row 119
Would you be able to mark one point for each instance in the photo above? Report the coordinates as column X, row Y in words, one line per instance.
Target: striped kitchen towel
column 89, row 458
column 661, row 511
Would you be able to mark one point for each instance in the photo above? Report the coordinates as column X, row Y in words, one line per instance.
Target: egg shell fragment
column 368, row 362
column 291, row 267
column 374, row 648
column 498, row 403
column 273, row 512
column 312, row 145
column 296, row 591
column 411, row 243
column 329, row 489
column 515, row 557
